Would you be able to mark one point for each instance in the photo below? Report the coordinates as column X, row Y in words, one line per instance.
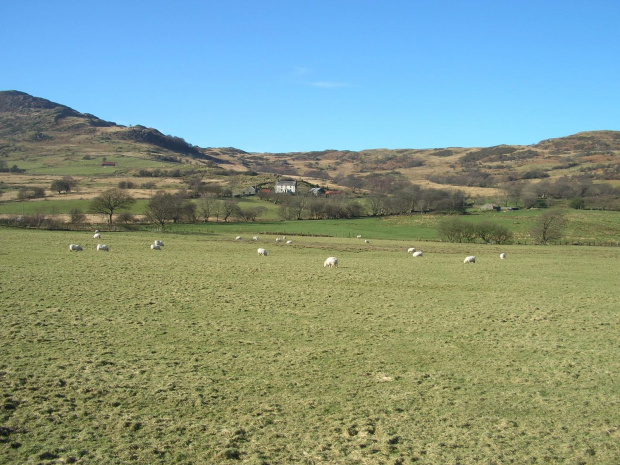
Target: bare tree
column 549, row 227
column 111, row 201
column 162, row 208
column 165, row 207
column 378, row 204
column 229, row 208
column 206, row 206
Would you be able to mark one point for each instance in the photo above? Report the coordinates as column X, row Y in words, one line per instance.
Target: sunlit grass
column 204, row 352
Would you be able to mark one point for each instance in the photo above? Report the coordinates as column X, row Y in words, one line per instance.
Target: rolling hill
column 47, row 138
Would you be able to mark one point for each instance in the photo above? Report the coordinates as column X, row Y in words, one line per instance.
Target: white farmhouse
column 286, row 187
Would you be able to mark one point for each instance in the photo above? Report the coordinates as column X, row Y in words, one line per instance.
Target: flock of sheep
column 157, row 245
column 330, row 262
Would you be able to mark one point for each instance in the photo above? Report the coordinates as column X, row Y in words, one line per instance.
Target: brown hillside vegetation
column 35, row 132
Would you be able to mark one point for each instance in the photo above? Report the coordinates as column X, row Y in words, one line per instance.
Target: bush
column 501, row 235
column 77, row 216
column 125, row 218
column 578, row 203
column 456, row 230
column 26, row 193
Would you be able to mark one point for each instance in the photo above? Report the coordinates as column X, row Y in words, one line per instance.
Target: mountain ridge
column 33, row 127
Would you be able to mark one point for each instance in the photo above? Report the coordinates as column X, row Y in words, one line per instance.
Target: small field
column 205, row 352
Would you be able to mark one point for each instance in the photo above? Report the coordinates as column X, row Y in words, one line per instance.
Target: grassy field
column 58, row 165
column 59, row 207
column 586, row 226
column 204, row 352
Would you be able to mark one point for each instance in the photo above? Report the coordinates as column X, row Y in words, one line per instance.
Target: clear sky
column 299, row 75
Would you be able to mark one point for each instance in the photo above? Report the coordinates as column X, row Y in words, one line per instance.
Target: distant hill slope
column 35, row 127
column 40, row 127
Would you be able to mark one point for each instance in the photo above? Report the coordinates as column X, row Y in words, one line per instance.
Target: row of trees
column 454, row 229
column 548, row 227
column 580, row 191
column 165, row 207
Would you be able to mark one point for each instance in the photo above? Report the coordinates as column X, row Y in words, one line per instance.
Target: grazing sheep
column 470, row 259
column 155, row 247
column 255, row 238
column 159, row 243
column 359, row 236
column 502, row 256
column 331, row 262
column 289, row 242
column 238, row 238
column 97, row 231
column 278, row 239
column 417, row 254
column 97, row 236
column 75, row 248
column 411, row 250
column 103, row 247
column 283, row 238
column 262, row 251
column 367, row 241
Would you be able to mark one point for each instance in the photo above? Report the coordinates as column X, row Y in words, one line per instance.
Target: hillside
column 44, row 138
column 35, row 127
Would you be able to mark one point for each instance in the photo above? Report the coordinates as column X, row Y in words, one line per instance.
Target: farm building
column 330, row 193
column 108, row 163
column 318, row 191
column 286, row 187
column 249, row 191
column 490, row 206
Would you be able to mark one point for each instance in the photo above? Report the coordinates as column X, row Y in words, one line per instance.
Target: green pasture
column 585, row 226
column 413, row 228
column 58, row 165
column 205, row 352
column 60, row 207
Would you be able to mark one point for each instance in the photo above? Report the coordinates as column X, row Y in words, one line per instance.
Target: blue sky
column 293, row 75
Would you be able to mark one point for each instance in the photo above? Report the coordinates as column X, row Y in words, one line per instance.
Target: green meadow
column 590, row 227
column 58, row 165
column 206, row 353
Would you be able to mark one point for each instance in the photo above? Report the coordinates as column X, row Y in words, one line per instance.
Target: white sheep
column 103, row 247
column 255, row 238
column 155, row 247
column 262, row 251
column 238, row 238
column 359, row 236
column 470, row 259
column 331, row 262
column 159, row 243
column 289, row 242
column 278, row 239
column 411, row 250
column 283, row 238
column 367, row 241
column 75, row 248
column 417, row 254
column 502, row 256
column 97, row 236
column 97, row 231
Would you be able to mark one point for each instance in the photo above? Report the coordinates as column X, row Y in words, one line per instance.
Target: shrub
column 456, row 230
column 26, row 193
column 77, row 216
column 125, row 218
